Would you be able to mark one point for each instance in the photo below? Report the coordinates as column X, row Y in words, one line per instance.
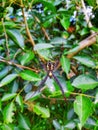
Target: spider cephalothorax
column 50, row 68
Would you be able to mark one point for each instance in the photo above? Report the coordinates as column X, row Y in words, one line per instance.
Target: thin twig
column 26, row 26
column 18, row 65
column 6, row 38
column 43, row 29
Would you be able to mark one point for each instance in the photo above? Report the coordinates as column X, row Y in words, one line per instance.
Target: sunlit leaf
column 8, row 96
column 83, row 108
column 9, row 78
column 27, row 57
column 16, row 36
column 41, row 46
column 84, row 82
column 86, row 60
column 29, row 75
column 32, row 96
column 65, row 62
column 65, row 22
column 56, row 124
column 19, row 100
column 8, row 113
column 44, row 112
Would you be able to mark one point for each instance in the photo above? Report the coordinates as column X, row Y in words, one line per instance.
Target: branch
column 83, row 44
column 26, row 26
column 6, row 37
column 18, row 65
column 43, row 29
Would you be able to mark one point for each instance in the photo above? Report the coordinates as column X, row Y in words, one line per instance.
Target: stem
column 6, row 37
column 18, row 65
column 26, row 26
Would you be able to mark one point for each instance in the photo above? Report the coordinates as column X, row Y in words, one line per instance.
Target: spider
column 50, row 68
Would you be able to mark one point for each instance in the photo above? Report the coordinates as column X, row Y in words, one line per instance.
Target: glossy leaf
column 5, row 71
column 16, row 36
column 27, row 57
column 44, row 112
column 9, row 78
column 8, row 96
column 84, row 82
column 85, row 60
column 8, row 113
column 32, row 96
column 29, row 75
column 23, row 122
column 83, row 108
column 41, row 46
column 19, row 100
column 65, row 64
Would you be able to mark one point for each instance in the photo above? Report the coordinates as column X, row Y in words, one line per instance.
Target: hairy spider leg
column 40, row 85
column 42, row 82
column 55, row 78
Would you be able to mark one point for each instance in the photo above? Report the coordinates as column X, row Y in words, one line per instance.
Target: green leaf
column 5, row 71
column 86, row 60
column 23, row 122
column 16, row 36
column 41, row 46
column 91, row 2
column 65, row 22
column 85, row 82
column 83, row 108
column 29, row 75
column 8, row 96
column 6, row 127
column 9, row 78
column 8, row 113
column 65, row 62
column 28, row 56
column 44, row 112
column 19, row 100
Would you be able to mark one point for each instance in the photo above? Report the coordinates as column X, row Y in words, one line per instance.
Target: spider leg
column 55, row 78
column 42, row 82
column 40, row 86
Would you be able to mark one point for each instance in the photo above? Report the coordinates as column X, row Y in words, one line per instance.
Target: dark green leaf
column 29, row 75
column 16, row 36
column 85, row 82
column 86, row 60
column 9, row 78
column 23, row 122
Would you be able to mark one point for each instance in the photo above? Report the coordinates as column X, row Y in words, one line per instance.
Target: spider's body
column 50, row 68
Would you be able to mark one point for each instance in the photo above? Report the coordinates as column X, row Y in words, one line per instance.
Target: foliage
column 32, row 33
